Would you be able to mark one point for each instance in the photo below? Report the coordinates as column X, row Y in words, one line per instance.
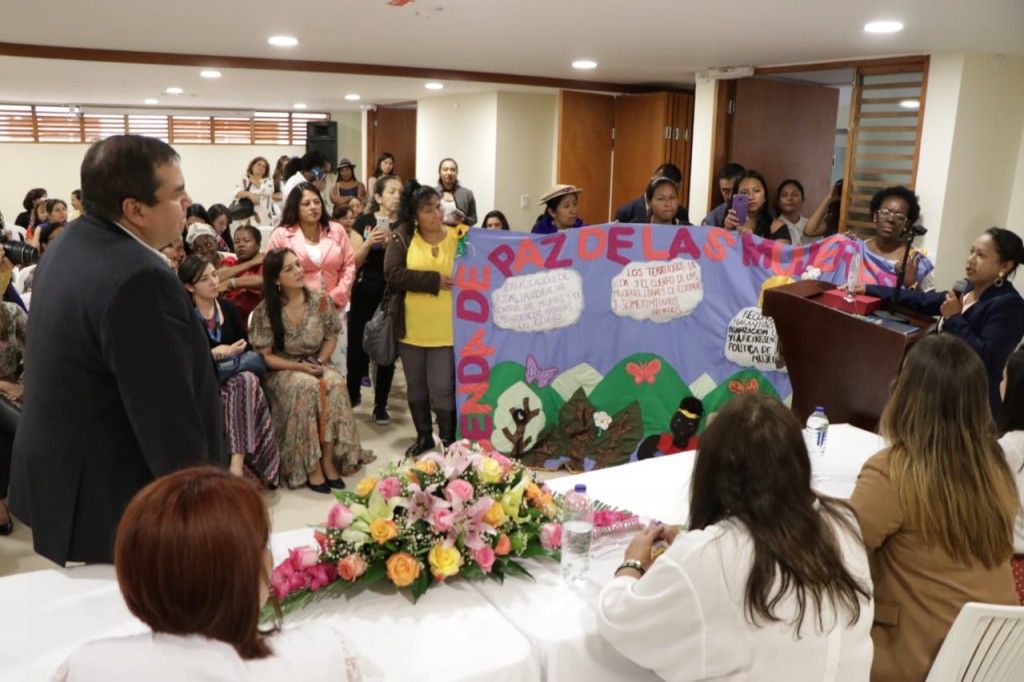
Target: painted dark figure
column 682, row 431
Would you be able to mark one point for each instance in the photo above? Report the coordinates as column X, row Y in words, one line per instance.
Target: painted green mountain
column 744, row 381
column 646, row 379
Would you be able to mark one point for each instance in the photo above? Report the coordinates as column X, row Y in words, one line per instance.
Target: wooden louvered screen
column 28, row 123
column 883, row 137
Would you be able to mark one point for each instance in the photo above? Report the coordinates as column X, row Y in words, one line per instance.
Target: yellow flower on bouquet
column 427, row 466
column 366, row 486
column 495, row 516
column 444, row 561
column 490, row 470
column 402, row 568
column 383, row 530
column 533, row 491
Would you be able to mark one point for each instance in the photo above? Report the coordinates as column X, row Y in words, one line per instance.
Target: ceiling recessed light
column 210, row 73
column 283, row 41
column 150, row 100
column 174, row 91
column 434, row 86
column 584, row 64
column 883, row 27
column 300, row 105
column 352, row 97
column 910, row 104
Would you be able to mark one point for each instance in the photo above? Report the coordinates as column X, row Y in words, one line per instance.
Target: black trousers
column 365, row 299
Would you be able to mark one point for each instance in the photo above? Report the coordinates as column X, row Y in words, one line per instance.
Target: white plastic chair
column 985, row 644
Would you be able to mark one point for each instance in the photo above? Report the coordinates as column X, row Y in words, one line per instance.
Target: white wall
column 1015, row 215
column 970, row 152
column 463, row 127
column 701, row 172
column 526, row 126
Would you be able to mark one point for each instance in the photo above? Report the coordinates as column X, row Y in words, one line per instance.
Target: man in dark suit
column 119, row 382
column 637, row 211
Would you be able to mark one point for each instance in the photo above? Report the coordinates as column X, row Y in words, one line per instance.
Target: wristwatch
column 634, row 564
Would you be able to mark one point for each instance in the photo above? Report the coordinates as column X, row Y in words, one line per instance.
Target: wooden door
column 642, row 137
column 585, row 123
column 785, row 130
column 393, row 129
column 681, row 146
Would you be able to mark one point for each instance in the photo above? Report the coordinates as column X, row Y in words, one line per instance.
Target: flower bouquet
column 465, row 512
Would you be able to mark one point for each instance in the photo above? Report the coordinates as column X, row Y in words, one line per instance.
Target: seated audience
column 277, row 198
column 193, row 564
column 419, row 264
column 638, row 210
column 895, row 210
column 789, row 202
column 56, row 211
column 242, row 284
column 770, row 581
column 220, row 221
column 175, row 252
column 1011, row 426
column 346, row 186
column 258, row 187
column 47, row 234
column 13, row 321
column 989, row 316
column 560, row 203
column 936, row 507
column 246, row 416
column 495, row 220
column 759, row 215
column 195, row 213
column 296, row 329
column 32, row 199
column 40, row 216
column 727, row 178
column 457, row 202
column 202, row 241
column 357, row 205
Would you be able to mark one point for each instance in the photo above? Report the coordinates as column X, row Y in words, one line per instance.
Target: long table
column 521, row 631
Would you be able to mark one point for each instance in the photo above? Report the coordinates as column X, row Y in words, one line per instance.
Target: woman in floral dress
column 296, row 329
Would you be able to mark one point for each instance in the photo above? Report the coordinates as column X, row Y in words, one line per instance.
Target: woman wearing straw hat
column 561, row 203
column 347, row 186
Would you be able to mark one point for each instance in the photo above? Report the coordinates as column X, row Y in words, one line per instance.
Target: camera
column 19, row 253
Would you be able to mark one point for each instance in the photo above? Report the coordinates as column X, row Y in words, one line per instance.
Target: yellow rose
column 366, row 486
column 383, row 530
column 444, row 561
column 490, row 470
column 427, row 466
column 495, row 515
column 402, row 568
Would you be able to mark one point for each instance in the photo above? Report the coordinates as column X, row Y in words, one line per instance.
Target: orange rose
column 427, row 466
column 402, row 569
column 383, row 530
column 495, row 515
column 532, row 491
column 504, row 545
column 366, row 486
column 411, row 476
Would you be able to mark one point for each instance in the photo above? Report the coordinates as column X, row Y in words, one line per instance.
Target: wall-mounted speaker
column 322, row 136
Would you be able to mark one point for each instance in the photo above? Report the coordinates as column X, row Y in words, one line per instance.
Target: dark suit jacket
column 120, row 388
column 636, row 212
column 993, row 326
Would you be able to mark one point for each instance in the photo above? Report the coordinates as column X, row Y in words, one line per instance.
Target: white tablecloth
column 560, row 620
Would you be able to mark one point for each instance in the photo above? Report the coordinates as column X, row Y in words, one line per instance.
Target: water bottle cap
column 581, row 487
column 819, row 409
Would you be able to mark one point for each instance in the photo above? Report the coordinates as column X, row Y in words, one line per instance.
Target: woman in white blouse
column 771, row 581
column 1011, row 426
column 258, row 187
column 192, row 563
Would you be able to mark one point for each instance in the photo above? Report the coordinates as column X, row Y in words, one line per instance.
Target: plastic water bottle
column 577, row 534
column 816, row 433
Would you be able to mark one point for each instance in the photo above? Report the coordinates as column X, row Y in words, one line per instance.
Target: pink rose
column 303, row 557
column 340, row 517
column 351, row 567
column 441, row 520
column 551, row 535
column 390, row 487
column 321, row 575
column 501, row 459
column 485, row 558
column 459, row 489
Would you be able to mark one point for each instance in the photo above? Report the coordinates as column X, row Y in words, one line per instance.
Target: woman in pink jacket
column 322, row 246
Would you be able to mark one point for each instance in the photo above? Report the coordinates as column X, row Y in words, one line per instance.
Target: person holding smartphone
column 457, row 202
column 749, row 211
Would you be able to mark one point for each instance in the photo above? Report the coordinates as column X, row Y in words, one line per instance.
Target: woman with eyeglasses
column 894, row 209
column 759, row 219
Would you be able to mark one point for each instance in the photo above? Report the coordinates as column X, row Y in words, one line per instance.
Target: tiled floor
column 289, row 509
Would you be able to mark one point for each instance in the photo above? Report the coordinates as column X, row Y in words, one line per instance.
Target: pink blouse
column 337, row 269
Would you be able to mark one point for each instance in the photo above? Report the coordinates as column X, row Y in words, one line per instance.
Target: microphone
column 959, row 287
column 919, row 230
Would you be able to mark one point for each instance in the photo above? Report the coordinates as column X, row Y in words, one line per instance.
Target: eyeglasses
column 898, row 218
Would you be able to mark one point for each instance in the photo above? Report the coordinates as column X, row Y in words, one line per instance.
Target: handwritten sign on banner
column 581, row 349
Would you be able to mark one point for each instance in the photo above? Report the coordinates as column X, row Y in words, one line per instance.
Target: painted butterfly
column 644, row 371
column 738, row 387
column 535, row 373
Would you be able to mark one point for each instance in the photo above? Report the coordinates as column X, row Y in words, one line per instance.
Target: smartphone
column 383, row 223
column 318, row 174
column 739, row 204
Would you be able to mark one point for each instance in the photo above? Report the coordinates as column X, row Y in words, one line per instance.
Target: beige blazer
column 919, row 588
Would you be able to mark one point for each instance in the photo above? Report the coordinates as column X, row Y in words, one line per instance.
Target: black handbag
column 242, row 209
column 379, row 333
column 247, row 361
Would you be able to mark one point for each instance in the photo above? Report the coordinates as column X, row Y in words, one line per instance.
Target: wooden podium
column 844, row 363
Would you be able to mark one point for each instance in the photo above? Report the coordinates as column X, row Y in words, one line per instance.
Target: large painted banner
column 600, row 345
